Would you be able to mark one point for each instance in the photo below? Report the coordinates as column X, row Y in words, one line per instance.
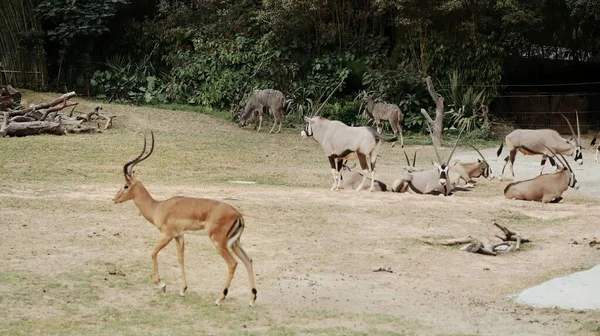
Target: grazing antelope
column 384, row 112
column 469, row 170
column 546, row 188
column 352, row 179
column 173, row 217
column 594, row 143
column 534, row 142
column 342, row 142
column 434, row 181
column 273, row 99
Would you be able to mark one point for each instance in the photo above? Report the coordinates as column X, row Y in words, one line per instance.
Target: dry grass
column 314, row 250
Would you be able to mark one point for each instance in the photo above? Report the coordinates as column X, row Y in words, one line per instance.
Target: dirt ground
column 316, row 252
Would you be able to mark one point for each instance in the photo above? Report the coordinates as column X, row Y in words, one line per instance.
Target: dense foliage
column 213, row 52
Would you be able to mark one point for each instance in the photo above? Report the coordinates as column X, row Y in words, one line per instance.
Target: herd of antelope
column 223, row 224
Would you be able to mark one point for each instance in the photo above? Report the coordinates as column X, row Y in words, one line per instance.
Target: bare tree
column 437, row 124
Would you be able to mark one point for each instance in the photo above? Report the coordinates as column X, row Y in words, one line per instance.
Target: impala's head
column 127, row 190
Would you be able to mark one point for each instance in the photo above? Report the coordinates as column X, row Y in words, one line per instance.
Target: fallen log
column 31, row 128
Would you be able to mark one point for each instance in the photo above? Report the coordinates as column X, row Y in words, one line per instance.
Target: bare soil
column 315, row 251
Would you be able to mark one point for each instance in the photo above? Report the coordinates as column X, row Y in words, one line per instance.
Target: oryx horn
column 433, row 143
column 578, row 129
column 571, row 127
column 331, row 94
column 455, row 144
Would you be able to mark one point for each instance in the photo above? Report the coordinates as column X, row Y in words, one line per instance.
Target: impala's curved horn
column 455, row 144
column 140, row 159
column 126, row 168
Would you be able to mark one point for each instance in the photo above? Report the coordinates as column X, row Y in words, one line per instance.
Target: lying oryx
column 533, row 142
column 353, row 179
column 340, row 142
column 384, row 112
column 468, row 170
column 273, row 99
column 434, row 181
column 411, row 168
column 544, row 188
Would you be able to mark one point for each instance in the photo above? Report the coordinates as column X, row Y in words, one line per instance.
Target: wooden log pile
column 47, row 118
column 509, row 243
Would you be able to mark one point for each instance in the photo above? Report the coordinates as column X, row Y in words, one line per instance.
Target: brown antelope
column 534, row 142
column 434, row 181
column 175, row 216
column 546, row 188
column 384, row 112
column 469, row 170
column 273, row 99
column 341, row 142
column 352, row 179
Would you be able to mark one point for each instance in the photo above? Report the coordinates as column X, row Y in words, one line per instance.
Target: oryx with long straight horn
column 535, row 142
column 434, row 181
column 471, row 169
column 594, row 144
column 353, row 179
column 547, row 188
column 411, row 167
column 175, row 216
column 342, row 142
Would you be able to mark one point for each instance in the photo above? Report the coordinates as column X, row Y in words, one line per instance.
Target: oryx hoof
column 469, row 185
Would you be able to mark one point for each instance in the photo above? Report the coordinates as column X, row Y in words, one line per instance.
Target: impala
column 222, row 223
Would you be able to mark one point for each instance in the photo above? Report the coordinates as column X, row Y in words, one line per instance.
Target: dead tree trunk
column 437, row 124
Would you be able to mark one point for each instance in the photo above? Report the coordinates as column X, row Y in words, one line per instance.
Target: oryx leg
column 338, row 168
column 544, row 157
column 334, row 171
column 597, row 150
column 372, row 160
column 553, row 163
column 362, row 159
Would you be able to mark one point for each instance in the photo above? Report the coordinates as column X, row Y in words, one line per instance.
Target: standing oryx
column 534, row 142
column 544, row 188
column 273, row 99
column 594, row 143
column 434, row 181
column 340, row 141
column 384, row 112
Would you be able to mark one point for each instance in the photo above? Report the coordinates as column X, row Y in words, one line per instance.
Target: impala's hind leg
column 237, row 249
column 231, row 265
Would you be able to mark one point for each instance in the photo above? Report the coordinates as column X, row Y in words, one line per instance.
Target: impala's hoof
column 251, row 304
column 182, row 293
column 163, row 286
column 218, row 302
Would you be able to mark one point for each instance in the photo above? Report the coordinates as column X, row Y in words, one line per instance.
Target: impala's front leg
column 164, row 241
column 180, row 253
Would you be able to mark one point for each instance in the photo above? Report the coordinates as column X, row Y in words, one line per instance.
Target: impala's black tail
column 500, row 149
